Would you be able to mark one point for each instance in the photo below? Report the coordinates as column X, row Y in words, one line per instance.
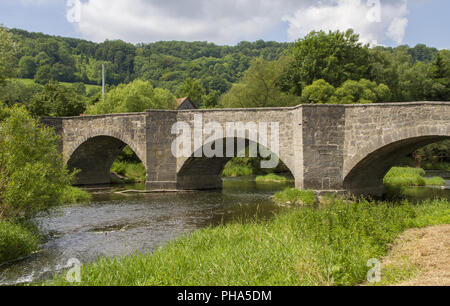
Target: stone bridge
column 326, row 147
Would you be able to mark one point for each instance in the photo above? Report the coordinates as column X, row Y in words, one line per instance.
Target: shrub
column 32, row 173
column 16, row 241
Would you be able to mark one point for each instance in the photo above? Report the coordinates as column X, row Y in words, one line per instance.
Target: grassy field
column 32, row 82
column 304, row 246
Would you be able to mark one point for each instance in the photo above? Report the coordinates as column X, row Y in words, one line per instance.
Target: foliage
column 32, row 172
column 8, row 50
column 16, row 241
column 72, row 195
column 193, row 89
column 305, row 246
column 138, row 96
column 18, row 92
column 260, row 87
column 133, row 172
column 236, row 169
column 294, row 196
column 334, row 56
column 56, row 100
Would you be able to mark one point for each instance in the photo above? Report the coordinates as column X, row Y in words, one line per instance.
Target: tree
column 334, row 56
column 319, row 92
column 137, row 96
column 18, row 92
column 439, row 85
column 362, row 91
column 56, row 100
column 193, row 89
column 32, row 172
column 8, row 60
column 43, row 75
column 212, row 99
column 27, row 67
column 259, row 87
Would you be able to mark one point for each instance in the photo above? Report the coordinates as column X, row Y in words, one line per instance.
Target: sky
column 226, row 22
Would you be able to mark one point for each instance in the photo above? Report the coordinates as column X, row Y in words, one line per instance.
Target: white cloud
column 373, row 20
column 229, row 21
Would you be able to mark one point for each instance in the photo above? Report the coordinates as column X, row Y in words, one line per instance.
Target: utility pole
column 103, row 82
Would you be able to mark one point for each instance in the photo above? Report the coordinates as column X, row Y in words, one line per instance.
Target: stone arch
column 375, row 160
column 204, row 173
column 94, row 154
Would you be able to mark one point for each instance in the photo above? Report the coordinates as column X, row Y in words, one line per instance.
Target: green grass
column 399, row 178
column 16, row 241
column 133, row 172
column 74, row 195
column 235, row 170
column 293, row 196
column 32, row 82
column 305, row 246
column 271, row 178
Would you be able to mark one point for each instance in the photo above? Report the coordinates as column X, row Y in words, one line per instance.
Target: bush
column 32, row 172
column 294, row 196
column 233, row 169
column 16, row 241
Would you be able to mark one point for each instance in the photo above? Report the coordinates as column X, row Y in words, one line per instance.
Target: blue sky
column 385, row 22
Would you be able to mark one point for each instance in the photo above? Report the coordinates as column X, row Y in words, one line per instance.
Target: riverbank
column 304, row 246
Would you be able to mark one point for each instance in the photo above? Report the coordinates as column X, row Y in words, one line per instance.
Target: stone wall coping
column 268, row 109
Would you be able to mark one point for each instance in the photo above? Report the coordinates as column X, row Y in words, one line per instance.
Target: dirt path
column 425, row 250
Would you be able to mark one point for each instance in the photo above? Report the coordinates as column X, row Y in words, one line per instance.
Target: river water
column 119, row 225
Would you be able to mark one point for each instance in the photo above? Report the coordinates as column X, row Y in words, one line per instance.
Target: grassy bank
column 16, row 241
column 72, row 195
column 410, row 177
column 303, row 246
column 271, row 178
column 295, row 197
column 131, row 172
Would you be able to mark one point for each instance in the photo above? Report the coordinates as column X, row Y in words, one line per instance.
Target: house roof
column 180, row 102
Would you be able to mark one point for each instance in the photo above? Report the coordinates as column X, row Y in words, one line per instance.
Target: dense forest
column 164, row 64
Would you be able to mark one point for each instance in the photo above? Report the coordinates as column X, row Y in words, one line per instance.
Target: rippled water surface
column 118, row 225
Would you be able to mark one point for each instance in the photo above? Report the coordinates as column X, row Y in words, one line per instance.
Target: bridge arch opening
column 203, row 173
column 95, row 157
column 366, row 178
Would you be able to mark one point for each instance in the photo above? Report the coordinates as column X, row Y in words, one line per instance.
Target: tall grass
column 72, row 195
column 305, row 246
column 293, row 196
column 235, row 170
column 16, row 241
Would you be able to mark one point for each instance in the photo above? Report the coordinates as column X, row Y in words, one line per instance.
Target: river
column 118, row 225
